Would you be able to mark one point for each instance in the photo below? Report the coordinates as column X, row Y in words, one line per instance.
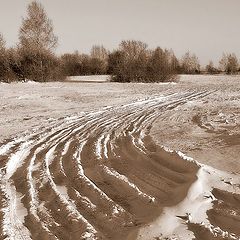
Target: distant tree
column 159, row 68
column 40, row 66
column 2, row 42
column 133, row 62
column 223, row 62
column 232, row 64
column 36, row 31
column 99, row 59
column 72, row 64
column 97, row 66
column 14, row 59
column 3, row 59
column 190, row 64
column 229, row 63
column 174, row 62
column 116, row 66
column 211, row 69
column 82, row 64
column 6, row 72
column 37, row 44
column 99, row 52
column 86, row 64
column 133, row 49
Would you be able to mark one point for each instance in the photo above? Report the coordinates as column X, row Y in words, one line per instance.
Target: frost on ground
column 80, row 160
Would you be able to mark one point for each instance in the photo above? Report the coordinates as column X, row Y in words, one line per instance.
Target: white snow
column 99, row 146
column 16, row 159
column 5, row 148
column 91, row 78
column 105, row 149
column 66, row 147
column 14, row 213
column 196, row 203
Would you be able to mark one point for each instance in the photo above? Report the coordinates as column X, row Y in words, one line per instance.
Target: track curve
column 97, row 175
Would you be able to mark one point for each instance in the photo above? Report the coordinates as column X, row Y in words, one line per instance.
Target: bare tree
column 36, row 31
column 116, row 66
column 3, row 59
column 133, row 49
column 99, row 52
column 135, row 60
column 223, row 62
column 232, row 64
column 37, row 43
column 99, row 59
column 2, row 42
column 72, row 64
column 211, row 69
column 160, row 66
column 173, row 61
column 190, row 63
column 229, row 63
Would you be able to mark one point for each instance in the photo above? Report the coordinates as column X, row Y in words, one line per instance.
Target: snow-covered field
column 121, row 161
column 97, row 78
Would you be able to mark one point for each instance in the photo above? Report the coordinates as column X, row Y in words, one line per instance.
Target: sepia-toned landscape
column 76, row 168
column 119, row 120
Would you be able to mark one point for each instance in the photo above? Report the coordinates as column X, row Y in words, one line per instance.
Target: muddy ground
column 207, row 129
column 108, row 160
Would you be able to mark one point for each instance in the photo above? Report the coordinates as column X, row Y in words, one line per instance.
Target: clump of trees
column 37, row 45
column 35, row 58
column 190, row 64
column 75, row 64
column 134, row 62
column 131, row 62
column 229, row 63
column 211, row 69
column 8, row 61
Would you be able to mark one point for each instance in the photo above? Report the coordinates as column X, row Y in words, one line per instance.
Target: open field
column 121, row 161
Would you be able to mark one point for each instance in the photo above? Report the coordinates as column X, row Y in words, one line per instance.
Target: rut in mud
column 97, row 175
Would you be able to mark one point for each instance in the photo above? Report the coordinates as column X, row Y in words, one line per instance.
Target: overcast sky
column 205, row 27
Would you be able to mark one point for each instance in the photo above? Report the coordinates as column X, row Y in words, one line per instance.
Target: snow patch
column 5, row 148
column 14, row 213
column 193, row 208
column 99, row 147
column 16, row 159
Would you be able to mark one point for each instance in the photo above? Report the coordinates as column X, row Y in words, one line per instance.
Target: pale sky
column 205, row 27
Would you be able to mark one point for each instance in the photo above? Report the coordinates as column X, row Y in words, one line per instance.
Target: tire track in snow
column 100, row 170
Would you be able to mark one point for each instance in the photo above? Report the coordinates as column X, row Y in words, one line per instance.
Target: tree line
column 34, row 57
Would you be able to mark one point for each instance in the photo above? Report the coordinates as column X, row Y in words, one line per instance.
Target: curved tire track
column 94, row 176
